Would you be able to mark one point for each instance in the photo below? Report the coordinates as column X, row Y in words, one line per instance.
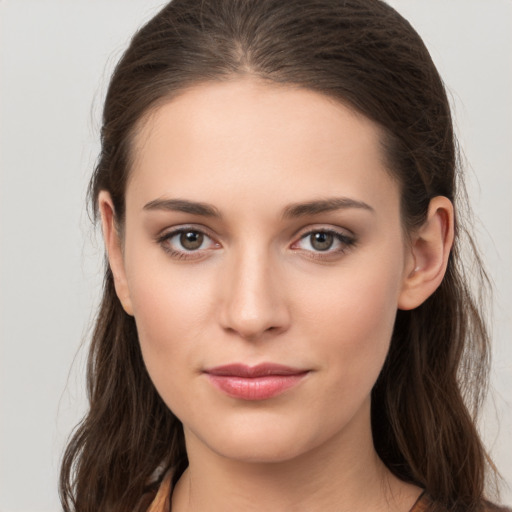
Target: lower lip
column 255, row 388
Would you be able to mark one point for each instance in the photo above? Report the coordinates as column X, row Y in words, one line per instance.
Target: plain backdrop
column 55, row 60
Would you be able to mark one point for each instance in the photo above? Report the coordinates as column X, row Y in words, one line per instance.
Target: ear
column 428, row 254
column 114, row 249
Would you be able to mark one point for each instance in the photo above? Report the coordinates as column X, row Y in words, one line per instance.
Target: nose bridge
column 253, row 301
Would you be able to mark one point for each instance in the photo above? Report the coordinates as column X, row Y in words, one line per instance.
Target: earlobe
column 113, row 246
column 428, row 257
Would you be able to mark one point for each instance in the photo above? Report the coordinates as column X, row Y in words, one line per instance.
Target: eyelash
column 344, row 240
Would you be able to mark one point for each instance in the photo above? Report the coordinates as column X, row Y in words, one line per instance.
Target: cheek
column 166, row 309
column 170, row 323
column 352, row 320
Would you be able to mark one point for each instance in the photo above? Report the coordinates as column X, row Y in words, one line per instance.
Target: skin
column 259, row 290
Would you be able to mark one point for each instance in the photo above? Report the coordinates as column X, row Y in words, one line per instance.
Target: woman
column 285, row 323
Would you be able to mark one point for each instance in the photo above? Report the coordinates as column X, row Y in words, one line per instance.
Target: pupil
column 191, row 240
column 322, row 241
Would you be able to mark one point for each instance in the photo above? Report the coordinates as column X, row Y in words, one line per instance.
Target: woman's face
column 263, row 262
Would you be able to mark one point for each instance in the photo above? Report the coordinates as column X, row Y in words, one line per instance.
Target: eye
column 321, row 240
column 185, row 243
column 190, row 240
column 324, row 241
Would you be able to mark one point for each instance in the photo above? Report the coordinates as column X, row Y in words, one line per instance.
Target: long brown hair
column 364, row 54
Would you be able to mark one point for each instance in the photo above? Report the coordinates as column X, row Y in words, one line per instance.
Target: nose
column 253, row 304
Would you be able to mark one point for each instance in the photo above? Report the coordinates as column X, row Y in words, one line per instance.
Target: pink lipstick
column 255, row 382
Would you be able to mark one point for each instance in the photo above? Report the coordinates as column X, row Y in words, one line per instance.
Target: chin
column 267, row 441
column 260, row 451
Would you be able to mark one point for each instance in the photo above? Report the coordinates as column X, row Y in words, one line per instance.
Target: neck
column 341, row 475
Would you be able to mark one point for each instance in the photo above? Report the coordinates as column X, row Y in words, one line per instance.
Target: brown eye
column 321, row 240
column 191, row 240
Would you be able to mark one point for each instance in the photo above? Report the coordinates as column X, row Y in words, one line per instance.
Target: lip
column 259, row 382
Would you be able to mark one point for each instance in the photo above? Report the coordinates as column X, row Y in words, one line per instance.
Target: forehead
column 256, row 140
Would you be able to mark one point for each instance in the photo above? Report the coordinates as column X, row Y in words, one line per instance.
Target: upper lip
column 260, row 370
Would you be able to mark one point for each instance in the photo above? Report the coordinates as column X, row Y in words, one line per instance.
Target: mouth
column 259, row 382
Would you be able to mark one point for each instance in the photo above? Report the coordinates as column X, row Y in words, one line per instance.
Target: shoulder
column 162, row 500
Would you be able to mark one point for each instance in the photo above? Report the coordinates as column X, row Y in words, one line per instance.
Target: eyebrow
column 324, row 205
column 291, row 211
column 183, row 205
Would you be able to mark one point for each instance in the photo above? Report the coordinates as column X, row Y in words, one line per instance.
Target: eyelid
column 327, row 228
column 179, row 228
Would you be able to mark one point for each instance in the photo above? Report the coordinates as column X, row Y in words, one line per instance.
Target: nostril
column 253, row 332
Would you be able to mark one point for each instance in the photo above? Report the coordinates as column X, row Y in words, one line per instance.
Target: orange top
column 162, row 501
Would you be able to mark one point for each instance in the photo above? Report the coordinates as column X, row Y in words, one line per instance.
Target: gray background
column 55, row 60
